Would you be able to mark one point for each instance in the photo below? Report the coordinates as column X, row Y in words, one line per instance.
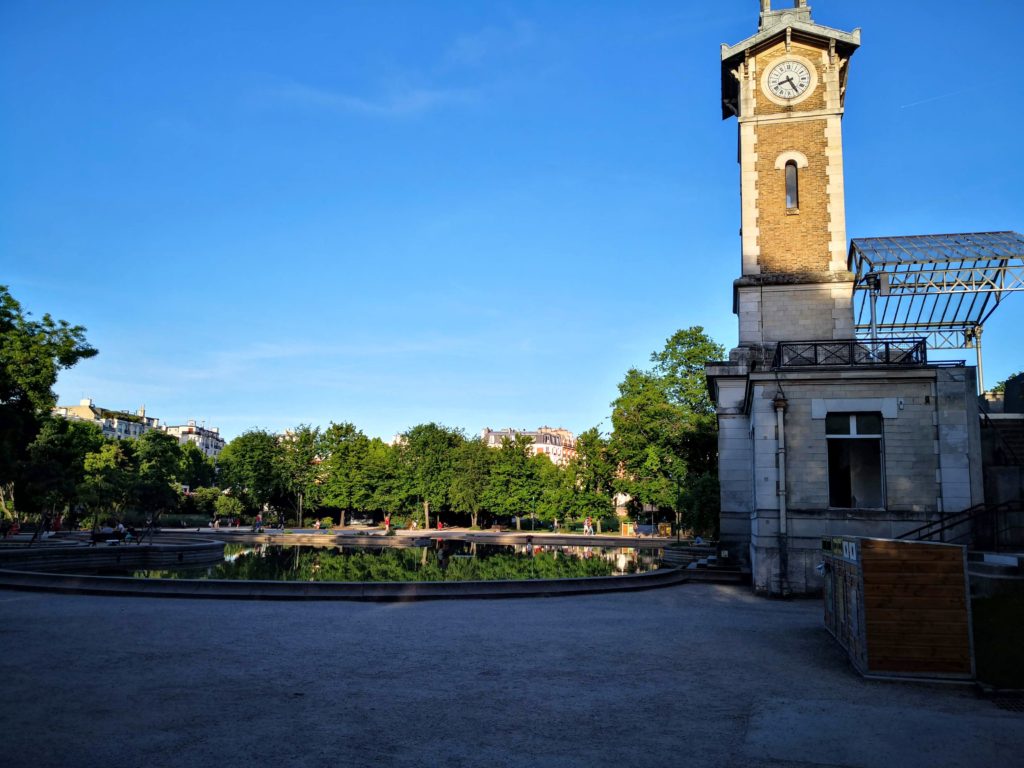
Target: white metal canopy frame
column 939, row 287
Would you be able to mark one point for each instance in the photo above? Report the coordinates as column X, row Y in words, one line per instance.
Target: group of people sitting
column 118, row 532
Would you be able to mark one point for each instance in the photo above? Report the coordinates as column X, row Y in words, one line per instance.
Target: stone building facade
column 115, row 424
column 557, row 443
column 206, row 439
column 820, row 434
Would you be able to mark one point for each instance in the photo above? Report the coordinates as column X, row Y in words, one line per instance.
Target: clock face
column 789, row 79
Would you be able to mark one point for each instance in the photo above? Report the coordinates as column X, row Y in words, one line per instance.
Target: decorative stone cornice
column 791, row 24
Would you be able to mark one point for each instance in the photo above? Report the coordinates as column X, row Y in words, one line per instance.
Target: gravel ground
column 692, row 675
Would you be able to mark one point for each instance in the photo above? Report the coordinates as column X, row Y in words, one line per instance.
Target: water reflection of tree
column 444, row 561
column 406, row 565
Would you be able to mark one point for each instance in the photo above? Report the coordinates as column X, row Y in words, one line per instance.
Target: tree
column 300, row 466
column 472, row 472
column 381, row 482
column 32, row 353
column 592, row 473
column 429, row 453
column 1001, row 385
column 157, row 488
column 197, row 469
column 228, row 506
column 553, row 489
column 701, row 503
column 664, row 436
column 51, row 476
column 680, row 365
column 345, row 485
column 512, row 490
column 647, row 435
column 250, row 468
column 110, row 473
column 205, row 501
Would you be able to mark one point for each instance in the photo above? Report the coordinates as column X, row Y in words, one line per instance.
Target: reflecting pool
column 442, row 560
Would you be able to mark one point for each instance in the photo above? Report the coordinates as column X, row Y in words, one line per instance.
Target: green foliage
column 701, row 505
column 32, row 353
column 554, row 489
column 204, row 501
column 295, row 564
column 680, row 366
column 664, row 438
column 512, row 489
column 197, row 470
column 471, row 477
column 428, row 467
column 382, row 479
column 251, row 466
column 591, row 475
column 110, row 472
column 1001, row 386
column 345, row 480
column 156, row 486
column 301, row 473
column 54, row 470
column 228, row 506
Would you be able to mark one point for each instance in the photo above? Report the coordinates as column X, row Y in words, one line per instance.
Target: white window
column 856, row 476
column 792, row 185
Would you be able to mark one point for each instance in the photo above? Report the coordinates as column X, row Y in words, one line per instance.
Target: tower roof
column 794, row 23
column 943, row 287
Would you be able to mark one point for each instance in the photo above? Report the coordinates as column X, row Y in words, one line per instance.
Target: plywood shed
column 899, row 608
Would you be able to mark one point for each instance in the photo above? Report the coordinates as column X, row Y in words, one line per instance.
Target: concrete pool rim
column 124, row 586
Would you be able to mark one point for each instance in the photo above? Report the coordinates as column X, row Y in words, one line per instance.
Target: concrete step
column 719, row 576
column 996, row 558
column 995, row 569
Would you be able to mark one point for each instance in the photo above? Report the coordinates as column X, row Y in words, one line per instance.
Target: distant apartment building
column 123, row 424
column 206, row 439
column 556, row 443
column 118, row 424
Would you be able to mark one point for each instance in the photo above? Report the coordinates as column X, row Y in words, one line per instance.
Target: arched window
column 792, row 185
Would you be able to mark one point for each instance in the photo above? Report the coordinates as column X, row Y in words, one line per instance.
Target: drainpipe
column 780, row 404
column 780, row 415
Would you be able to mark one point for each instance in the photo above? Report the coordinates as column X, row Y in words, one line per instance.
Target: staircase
column 700, row 562
column 994, row 537
column 1007, row 438
column 983, row 527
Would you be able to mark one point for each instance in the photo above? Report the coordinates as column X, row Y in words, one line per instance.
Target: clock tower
column 786, row 88
column 820, row 434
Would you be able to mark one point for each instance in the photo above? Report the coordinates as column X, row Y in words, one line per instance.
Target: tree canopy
column 250, row 468
column 32, row 353
column 664, row 438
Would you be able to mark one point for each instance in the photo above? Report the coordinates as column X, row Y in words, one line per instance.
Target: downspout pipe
column 780, row 404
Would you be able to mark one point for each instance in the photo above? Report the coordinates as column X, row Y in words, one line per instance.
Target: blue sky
column 477, row 213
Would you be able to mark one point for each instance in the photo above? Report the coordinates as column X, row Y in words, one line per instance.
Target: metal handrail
column 972, row 514
column 848, row 353
column 983, row 410
column 944, row 523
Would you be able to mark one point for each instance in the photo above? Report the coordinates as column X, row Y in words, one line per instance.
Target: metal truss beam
column 954, row 280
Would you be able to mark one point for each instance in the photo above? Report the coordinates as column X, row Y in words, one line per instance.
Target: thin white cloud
column 264, row 362
column 930, row 99
column 474, row 48
column 398, row 103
